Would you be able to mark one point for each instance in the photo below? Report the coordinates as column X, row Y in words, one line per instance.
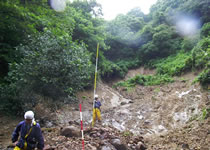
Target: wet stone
column 147, row 122
column 118, row 144
column 106, row 148
column 123, row 103
column 140, row 146
column 70, row 131
column 185, row 146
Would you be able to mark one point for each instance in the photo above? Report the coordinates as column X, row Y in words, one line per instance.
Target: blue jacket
column 35, row 137
column 97, row 104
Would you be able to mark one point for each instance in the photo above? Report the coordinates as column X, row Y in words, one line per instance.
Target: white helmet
column 96, row 96
column 29, row 115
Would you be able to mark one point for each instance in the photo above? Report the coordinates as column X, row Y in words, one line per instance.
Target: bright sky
column 111, row 8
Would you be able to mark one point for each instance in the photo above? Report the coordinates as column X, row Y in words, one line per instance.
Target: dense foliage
column 66, row 66
column 174, row 65
column 46, row 52
column 146, row 80
column 167, row 42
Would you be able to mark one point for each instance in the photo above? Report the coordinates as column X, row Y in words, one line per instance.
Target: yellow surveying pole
column 96, row 69
column 95, row 79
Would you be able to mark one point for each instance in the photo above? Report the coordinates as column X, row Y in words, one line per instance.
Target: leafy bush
column 49, row 66
column 10, row 102
column 201, row 60
column 110, row 69
column 175, row 64
column 127, row 134
column 57, row 62
column 204, row 77
column 198, row 58
column 145, row 80
column 165, row 42
column 201, row 53
column 205, row 31
column 205, row 113
column 118, row 69
column 128, row 64
column 189, row 43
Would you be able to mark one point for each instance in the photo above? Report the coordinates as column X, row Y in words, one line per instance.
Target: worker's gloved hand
column 15, row 143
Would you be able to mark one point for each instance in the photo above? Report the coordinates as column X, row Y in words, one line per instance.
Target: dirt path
column 7, row 126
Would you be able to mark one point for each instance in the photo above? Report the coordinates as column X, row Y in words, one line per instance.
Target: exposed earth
column 165, row 117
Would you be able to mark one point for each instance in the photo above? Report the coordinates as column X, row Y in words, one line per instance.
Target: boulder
column 70, row 131
column 108, row 146
column 118, row 144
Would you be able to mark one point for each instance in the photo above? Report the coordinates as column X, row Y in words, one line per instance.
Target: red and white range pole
column 83, row 143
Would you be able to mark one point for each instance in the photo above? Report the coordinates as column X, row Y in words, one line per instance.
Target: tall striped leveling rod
column 94, row 92
column 83, row 143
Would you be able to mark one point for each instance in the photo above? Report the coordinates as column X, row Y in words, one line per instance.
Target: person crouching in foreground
column 30, row 134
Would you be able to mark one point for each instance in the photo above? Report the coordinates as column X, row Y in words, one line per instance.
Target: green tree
column 197, row 8
column 49, row 66
column 164, row 41
column 88, row 24
column 55, row 62
column 205, row 31
column 189, row 43
column 144, row 35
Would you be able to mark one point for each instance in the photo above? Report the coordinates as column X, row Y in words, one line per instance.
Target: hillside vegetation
column 51, row 51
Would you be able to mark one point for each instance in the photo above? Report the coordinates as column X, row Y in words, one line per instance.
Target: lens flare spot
column 187, row 25
column 58, row 5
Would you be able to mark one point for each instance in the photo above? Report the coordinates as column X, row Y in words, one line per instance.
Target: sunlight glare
column 187, row 25
column 58, row 5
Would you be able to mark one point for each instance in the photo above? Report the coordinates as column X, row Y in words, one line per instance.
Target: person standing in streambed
column 96, row 110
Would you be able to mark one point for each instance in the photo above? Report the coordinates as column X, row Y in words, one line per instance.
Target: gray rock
column 123, row 103
column 91, row 147
column 118, row 144
column 49, row 124
column 185, row 146
column 70, row 131
column 108, row 147
column 140, row 146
